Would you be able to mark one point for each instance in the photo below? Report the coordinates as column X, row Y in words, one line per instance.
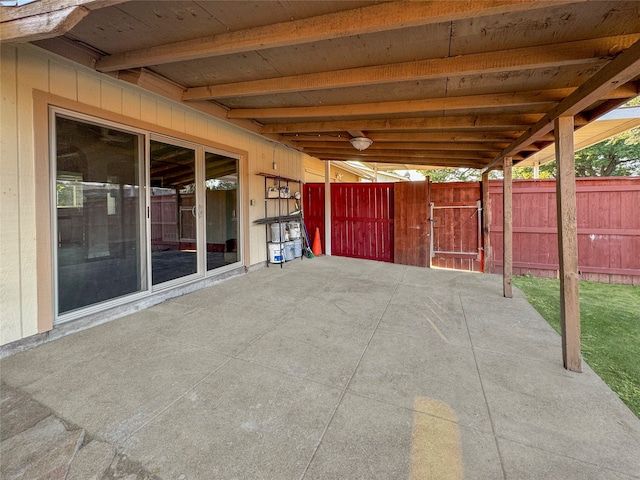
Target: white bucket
column 289, row 251
column 297, row 247
column 276, row 252
column 278, row 232
column 294, row 230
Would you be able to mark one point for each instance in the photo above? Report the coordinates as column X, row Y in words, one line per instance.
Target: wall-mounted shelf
column 276, row 219
column 278, row 177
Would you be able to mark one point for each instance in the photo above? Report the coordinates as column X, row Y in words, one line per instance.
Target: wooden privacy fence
column 608, row 217
column 370, row 220
column 388, row 222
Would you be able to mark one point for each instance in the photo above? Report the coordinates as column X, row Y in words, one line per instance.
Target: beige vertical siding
column 26, row 68
column 314, row 172
column 10, row 325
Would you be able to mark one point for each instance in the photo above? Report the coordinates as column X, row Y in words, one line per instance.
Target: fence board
column 608, row 228
column 313, row 204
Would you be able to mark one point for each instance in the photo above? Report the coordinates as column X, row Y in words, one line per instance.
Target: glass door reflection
column 174, row 212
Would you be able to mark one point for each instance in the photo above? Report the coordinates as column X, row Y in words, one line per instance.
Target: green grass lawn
column 610, row 323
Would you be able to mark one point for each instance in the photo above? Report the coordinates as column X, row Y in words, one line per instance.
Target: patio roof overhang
column 607, row 126
column 432, row 83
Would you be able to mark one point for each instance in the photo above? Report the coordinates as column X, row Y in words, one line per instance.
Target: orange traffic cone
column 317, row 245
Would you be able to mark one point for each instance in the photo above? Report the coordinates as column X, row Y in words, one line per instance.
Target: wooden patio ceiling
column 431, row 83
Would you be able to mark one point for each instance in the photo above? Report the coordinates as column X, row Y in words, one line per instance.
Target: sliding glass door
column 98, row 205
column 174, row 212
column 221, row 186
column 134, row 212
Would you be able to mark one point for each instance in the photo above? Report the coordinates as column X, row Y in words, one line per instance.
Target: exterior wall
column 27, row 71
column 314, row 172
column 384, row 177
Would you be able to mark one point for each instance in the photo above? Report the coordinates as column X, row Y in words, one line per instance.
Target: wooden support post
column 507, row 228
column 327, row 208
column 567, row 244
column 486, row 222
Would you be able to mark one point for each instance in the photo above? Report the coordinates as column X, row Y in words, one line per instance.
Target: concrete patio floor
column 330, row 368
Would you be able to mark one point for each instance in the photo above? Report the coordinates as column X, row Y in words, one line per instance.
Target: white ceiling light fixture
column 361, row 143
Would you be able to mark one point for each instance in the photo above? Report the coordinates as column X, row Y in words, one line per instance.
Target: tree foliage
column 438, row 175
column 633, row 103
column 617, row 156
column 547, row 170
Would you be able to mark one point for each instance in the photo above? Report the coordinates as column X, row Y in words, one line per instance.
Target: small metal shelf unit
column 280, row 209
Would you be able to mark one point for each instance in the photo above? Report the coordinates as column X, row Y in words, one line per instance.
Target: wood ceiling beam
column 306, row 144
column 44, row 7
column 435, row 162
column 66, row 48
column 542, row 100
column 410, row 146
column 360, row 21
column 452, row 136
column 622, row 69
column 386, row 167
column 447, row 137
column 569, row 53
column 365, row 155
column 40, row 27
column 440, row 164
column 318, row 137
column 488, row 122
column 45, row 19
column 605, row 107
column 438, row 146
column 160, row 85
column 400, row 153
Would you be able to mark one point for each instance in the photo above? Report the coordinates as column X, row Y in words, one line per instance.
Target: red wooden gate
column 411, row 225
column 456, row 233
column 361, row 218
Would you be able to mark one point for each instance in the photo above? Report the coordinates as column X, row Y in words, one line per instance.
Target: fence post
column 486, row 222
column 507, row 228
column 327, row 207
